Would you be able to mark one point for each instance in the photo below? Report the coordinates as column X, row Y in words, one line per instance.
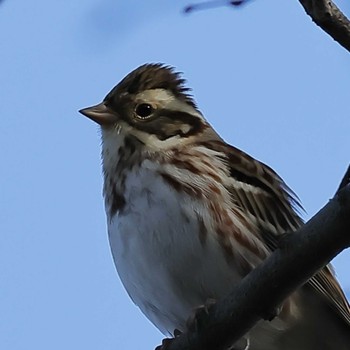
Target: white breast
column 160, row 259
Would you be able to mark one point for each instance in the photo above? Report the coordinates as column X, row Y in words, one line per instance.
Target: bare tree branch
column 328, row 16
column 266, row 287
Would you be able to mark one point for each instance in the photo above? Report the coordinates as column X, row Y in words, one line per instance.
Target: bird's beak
column 100, row 114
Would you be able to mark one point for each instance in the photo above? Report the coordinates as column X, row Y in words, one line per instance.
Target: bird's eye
column 144, row 110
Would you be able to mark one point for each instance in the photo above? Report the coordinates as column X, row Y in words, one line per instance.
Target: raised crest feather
column 154, row 76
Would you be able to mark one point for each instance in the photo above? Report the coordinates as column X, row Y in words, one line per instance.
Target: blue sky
column 265, row 76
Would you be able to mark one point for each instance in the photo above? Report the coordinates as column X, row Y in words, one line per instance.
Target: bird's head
column 153, row 106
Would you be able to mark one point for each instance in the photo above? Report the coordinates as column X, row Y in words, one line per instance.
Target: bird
column 188, row 215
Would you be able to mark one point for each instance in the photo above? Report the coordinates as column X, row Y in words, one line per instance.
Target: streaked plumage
column 189, row 215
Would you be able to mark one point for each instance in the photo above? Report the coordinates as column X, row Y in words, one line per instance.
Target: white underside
column 156, row 248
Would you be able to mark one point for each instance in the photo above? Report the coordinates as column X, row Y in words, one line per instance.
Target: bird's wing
column 325, row 284
column 261, row 194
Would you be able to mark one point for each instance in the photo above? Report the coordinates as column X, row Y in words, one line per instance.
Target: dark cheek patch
column 165, row 124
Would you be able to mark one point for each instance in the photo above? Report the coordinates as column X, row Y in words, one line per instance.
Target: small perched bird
column 187, row 215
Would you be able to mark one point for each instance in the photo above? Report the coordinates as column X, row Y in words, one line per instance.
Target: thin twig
column 213, row 4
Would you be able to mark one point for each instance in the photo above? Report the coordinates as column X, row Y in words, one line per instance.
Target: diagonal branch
column 329, row 17
column 345, row 180
column 265, row 288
